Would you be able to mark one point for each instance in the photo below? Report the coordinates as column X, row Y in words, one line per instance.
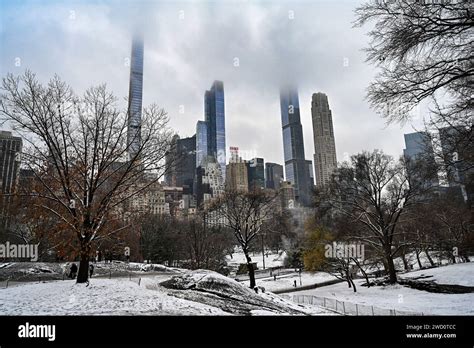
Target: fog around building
column 252, row 46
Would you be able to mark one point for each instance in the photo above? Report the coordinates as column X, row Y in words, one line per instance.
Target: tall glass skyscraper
column 214, row 111
column 135, row 97
column 201, row 142
column 296, row 168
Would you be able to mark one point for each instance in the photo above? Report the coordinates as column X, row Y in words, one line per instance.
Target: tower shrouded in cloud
column 325, row 160
column 135, row 96
column 296, row 167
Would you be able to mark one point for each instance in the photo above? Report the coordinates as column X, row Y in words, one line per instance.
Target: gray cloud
column 89, row 43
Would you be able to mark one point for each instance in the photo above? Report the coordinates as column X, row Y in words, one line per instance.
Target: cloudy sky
column 252, row 46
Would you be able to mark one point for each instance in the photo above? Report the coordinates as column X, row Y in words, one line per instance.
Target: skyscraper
column 181, row 163
column 273, row 175
column 296, row 169
column 201, row 142
column 256, row 173
column 237, row 172
column 419, row 152
column 135, row 97
column 324, row 145
column 214, row 112
column 10, row 150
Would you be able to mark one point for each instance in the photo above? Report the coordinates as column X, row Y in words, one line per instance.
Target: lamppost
column 263, row 252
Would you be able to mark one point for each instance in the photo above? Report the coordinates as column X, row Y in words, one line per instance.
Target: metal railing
column 347, row 308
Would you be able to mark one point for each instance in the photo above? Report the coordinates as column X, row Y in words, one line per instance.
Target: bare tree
column 244, row 213
column 374, row 190
column 424, row 52
column 205, row 245
column 421, row 48
column 455, row 221
column 78, row 151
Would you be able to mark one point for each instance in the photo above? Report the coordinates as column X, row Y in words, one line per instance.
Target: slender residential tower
column 135, row 97
column 296, row 168
column 325, row 160
column 214, row 111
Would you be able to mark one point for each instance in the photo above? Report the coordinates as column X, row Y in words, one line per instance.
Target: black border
column 290, row 331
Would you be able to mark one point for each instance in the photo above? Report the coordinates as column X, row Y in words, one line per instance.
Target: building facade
column 209, row 182
column 419, row 152
column 150, row 201
column 181, row 163
column 256, row 173
column 325, row 161
column 309, row 164
column 287, row 195
column 201, row 142
column 10, row 157
column 237, row 173
column 273, row 175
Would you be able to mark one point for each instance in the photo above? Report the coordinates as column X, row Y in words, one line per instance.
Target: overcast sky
column 252, row 46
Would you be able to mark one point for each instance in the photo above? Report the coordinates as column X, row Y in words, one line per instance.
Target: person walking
column 91, row 270
column 73, row 272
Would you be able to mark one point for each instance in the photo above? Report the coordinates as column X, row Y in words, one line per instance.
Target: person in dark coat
column 91, row 270
column 73, row 272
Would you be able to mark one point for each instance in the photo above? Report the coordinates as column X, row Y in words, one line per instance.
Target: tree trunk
column 429, row 257
column 392, row 275
column 353, row 284
column 418, row 259
column 362, row 271
column 83, row 274
column 250, row 269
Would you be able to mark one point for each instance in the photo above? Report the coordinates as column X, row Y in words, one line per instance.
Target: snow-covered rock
column 231, row 296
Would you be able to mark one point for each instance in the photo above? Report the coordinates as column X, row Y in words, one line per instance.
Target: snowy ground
column 287, row 281
column 271, row 259
column 460, row 274
column 205, row 293
column 403, row 298
column 101, row 297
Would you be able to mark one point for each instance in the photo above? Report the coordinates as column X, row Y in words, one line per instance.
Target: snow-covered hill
column 193, row 293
